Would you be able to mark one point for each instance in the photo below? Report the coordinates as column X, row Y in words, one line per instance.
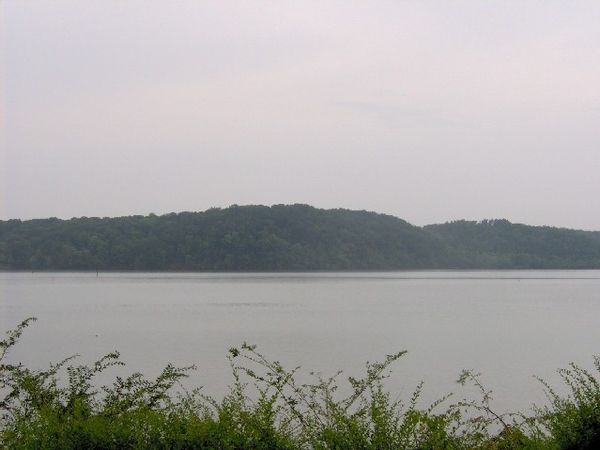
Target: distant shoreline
column 288, row 238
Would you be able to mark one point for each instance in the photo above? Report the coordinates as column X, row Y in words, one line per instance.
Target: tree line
column 287, row 237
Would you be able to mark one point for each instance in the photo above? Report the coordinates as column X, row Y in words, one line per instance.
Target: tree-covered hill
column 504, row 245
column 286, row 237
column 296, row 237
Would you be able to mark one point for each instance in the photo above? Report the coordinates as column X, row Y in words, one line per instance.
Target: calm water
column 507, row 325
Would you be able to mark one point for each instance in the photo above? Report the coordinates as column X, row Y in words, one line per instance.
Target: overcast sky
column 430, row 111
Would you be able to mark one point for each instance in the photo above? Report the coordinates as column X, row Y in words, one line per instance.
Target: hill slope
column 286, row 237
column 295, row 237
column 500, row 244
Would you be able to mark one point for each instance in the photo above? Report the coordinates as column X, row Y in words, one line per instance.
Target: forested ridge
column 504, row 245
column 287, row 237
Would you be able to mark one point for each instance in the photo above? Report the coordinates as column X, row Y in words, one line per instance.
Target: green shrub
column 574, row 420
column 268, row 408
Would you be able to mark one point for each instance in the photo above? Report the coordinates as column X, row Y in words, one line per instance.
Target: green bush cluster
column 267, row 407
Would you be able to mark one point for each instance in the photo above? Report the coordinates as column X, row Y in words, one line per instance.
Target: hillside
column 286, row 237
column 500, row 244
column 296, row 237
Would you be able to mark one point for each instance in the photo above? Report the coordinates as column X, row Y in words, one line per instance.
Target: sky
column 427, row 110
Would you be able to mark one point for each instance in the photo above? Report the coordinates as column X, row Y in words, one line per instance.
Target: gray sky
column 430, row 111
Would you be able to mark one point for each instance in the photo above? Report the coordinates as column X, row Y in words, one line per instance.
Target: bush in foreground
column 267, row 408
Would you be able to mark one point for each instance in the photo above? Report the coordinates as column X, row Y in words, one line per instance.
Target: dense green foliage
column 500, row 244
column 293, row 237
column 267, row 408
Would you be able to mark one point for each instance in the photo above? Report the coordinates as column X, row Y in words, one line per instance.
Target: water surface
column 509, row 325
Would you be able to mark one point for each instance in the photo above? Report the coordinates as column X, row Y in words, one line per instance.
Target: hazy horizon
column 225, row 207
column 428, row 111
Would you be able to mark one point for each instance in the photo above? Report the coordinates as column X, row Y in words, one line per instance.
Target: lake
column 509, row 325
